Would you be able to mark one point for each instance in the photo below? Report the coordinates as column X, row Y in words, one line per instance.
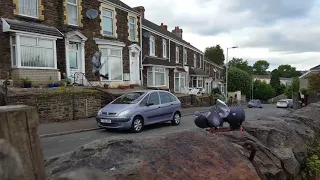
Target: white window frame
column 26, row 15
column 182, row 75
column 164, row 48
column 77, row 6
column 152, row 46
column 112, row 20
column 200, row 62
column 195, row 60
column 154, row 71
column 197, row 78
column 109, row 67
column 177, row 54
column 185, row 56
column 18, row 50
column 134, row 28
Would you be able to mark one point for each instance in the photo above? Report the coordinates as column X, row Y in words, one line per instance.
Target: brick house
column 216, row 76
column 41, row 39
column 304, row 81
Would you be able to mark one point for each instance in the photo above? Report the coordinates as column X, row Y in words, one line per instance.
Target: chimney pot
column 140, row 10
column 164, row 26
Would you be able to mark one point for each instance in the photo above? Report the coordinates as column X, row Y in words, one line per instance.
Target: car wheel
column 137, row 125
column 176, row 119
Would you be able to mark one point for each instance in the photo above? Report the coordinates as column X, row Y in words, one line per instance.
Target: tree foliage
column 215, row 54
column 260, row 67
column 275, row 79
column 239, row 80
column 240, row 64
column 314, row 82
column 287, row 71
column 294, row 87
column 263, row 91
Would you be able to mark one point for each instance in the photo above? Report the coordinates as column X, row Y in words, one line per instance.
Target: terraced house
column 43, row 39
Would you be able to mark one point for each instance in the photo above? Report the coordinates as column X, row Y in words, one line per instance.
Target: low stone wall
column 67, row 106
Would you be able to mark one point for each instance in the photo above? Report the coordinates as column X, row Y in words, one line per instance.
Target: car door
column 166, row 106
column 151, row 109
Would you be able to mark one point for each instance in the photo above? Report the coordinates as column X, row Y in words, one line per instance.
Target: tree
column 314, row 82
column 288, row 91
column 215, row 54
column 240, row 64
column 275, row 79
column 294, row 87
column 263, row 91
column 287, row 71
column 239, row 80
column 260, row 67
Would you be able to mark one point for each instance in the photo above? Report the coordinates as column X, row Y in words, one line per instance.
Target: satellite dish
column 146, row 34
column 92, row 13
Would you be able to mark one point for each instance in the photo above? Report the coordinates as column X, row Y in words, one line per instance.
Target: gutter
column 141, row 67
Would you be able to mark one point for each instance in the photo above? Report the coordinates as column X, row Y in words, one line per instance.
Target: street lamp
column 234, row 47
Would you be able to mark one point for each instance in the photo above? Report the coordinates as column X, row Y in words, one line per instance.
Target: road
column 53, row 146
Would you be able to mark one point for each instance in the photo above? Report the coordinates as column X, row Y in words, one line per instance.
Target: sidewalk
column 89, row 124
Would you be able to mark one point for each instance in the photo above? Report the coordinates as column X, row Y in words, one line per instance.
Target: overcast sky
column 279, row 31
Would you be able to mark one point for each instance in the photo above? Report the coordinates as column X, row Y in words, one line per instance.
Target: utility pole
column 227, row 66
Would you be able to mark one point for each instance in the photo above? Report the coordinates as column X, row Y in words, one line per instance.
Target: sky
column 279, row 31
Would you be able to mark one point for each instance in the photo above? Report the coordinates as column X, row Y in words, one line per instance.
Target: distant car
column 137, row 109
column 254, row 103
column 285, row 103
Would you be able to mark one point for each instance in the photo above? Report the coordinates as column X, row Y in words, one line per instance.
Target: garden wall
column 68, row 106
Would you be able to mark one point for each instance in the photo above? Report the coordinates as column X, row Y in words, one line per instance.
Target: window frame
column 164, row 48
column 177, row 54
column 109, row 67
column 152, row 44
column 195, row 60
column 159, row 100
column 77, row 15
column 17, row 52
column 134, row 28
column 154, row 72
column 185, row 56
column 181, row 75
column 197, row 78
column 112, row 20
column 37, row 9
column 166, row 95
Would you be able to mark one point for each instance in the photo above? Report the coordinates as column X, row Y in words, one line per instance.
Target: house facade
column 304, row 81
column 43, row 39
column 216, row 77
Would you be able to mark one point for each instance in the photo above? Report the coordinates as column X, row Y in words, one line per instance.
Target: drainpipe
column 169, row 50
column 141, row 67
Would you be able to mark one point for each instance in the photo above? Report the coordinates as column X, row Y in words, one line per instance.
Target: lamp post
column 234, row 47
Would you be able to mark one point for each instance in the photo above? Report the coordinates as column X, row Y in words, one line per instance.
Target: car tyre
column 137, row 125
column 176, row 119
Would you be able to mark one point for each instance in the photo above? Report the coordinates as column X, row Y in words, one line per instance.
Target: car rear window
column 129, row 98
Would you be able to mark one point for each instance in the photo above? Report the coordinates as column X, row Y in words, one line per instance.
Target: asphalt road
column 53, row 146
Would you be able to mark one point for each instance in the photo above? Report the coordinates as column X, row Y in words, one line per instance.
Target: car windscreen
column 283, row 101
column 129, row 98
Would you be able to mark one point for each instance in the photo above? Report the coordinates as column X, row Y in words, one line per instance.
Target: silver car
column 137, row 109
column 285, row 103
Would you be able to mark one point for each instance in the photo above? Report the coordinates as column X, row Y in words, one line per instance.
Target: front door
column 134, row 68
column 75, row 62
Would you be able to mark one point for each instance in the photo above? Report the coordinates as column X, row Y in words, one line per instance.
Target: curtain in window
column 159, row 79
column 28, row 7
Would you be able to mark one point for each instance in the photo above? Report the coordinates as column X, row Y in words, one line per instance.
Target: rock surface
column 195, row 154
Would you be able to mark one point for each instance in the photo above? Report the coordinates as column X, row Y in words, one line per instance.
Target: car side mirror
column 150, row 104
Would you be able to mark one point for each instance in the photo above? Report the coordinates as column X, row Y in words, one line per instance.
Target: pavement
column 57, row 145
column 89, row 124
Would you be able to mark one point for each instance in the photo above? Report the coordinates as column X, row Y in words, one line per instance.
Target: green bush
column 239, row 80
column 263, row 91
column 311, row 166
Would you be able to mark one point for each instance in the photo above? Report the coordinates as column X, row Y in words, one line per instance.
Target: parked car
column 285, row 103
column 137, row 109
column 254, row 103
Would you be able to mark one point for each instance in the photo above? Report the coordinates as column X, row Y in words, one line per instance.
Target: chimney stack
column 140, row 10
column 165, row 27
column 177, row 31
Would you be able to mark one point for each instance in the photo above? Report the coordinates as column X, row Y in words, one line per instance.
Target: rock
column 280, row 143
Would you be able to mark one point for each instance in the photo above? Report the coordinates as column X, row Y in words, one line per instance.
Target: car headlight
column 100, row 112
column 123, row 113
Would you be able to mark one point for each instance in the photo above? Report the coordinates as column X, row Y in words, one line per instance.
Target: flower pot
column 50, row 85
column 56, row 85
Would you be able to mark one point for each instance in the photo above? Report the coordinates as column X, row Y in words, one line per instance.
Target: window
column 197, row 82
column 154, row 98
column 144, row 101
column 164, row 48
column 107, row 22
column 200, row 61
column 152, row 46
column 112, row 69
column 74, row 55
column 156, row 77
column 34, row 52
column 165, row 98
column 172, row 97
column 195, row 60
column 28, row 8
column 200, row 82
column 129, row 98
column 72, row 6
column 184, row 56
column 179, row 81
column 177, row 55
column 132, row 28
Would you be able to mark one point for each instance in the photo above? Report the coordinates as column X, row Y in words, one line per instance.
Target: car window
column 154, row 98
column 165, row 98
column 144, row 101
column 129, row 98
column 172, row 97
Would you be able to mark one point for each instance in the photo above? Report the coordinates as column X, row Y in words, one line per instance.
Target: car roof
column 149, row 91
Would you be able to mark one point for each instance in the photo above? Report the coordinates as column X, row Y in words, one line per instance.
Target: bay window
column 164, row 48
column 132, row 28
column 184, row 56
column 152, row 46
column 156, row 77
column 112, row 68
column 72, row 7
column 177, row 55
column 33, row 52
column 179, row 81
column 107, row 22
column 28, row 8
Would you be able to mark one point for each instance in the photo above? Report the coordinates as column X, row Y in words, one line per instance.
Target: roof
column 122, row 4
column 212, row 63
column 180, row 69
column 197, row 72
column 159, row 29
column 263, row 76
column 16, row 25
column 149, row 60
column 316, row 68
